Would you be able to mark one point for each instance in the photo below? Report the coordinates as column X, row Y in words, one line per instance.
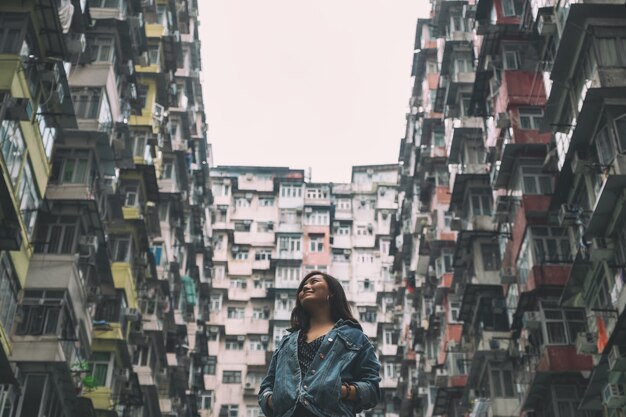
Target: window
column 463, row 65
column 317, row 218
column 8, row 292
column 389, row 371
column 384, row 247
column 290, row 244
column 234, row 344
column 138, row 143
column 266, row 202
column 102, row 368
column 45, row 312
column 242, row 202
column 508, row 8
column 236, row 312
column 366, row 285
column 367, row 316
column 455, row 307
column 438, row 138
column 534, row 181
column 550, row 244
column 605, row 146
column 620, row 132
column 154, row 54
column 365, row 258
column 107, row 4
column 344, row 204
column 12, row 32
column 242, row 255
column 254, row 411
column 263, row 255
column 316, row 244
column 103, row 49
column 121, row 248
column 243, row 226
column 239, row 283
column 261, row 313
column 285, row 303
column 219, row 271
column 501, row 382
column 457, row 23
column 431, row 67
column 288, row 216
column 316, row 193
column 231, row 377
column 480, row 202
column 491, row 256
column 444, row 263
column 611, row 51
column 86, row 102
column 288, row 273
column 168, row 170
column 205, row 400
column 71, row 166
column 141, row 355
column 343, row 231
column 530, row 117
column 510, row 56
column 229, row 410
column 57, row 235
column 29, row 199
column 561, row 326
column 215, row 302
column 290, row 191
column 34, row 389
column 211, row 364
column 13, row 146
column 221, row 190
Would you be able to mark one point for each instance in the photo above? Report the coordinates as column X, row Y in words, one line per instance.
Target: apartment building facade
column 270, row 227
column 512, row 212
column 105, row 257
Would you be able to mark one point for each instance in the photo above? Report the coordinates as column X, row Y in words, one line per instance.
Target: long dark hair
column 339, row 307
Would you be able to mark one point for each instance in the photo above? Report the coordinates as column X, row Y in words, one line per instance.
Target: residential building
column 104, row 254
column 512, row 221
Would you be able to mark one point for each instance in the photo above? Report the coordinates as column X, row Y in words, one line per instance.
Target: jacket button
column 321, row 356
column 305, row 402
column 330, row 339
column 306, row 387
column 312, row 371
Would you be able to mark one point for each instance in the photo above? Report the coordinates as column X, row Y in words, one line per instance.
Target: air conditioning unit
column 241, row 338
column 235, row 248
column 249, row 385
column 614, row 395
column 586, row 343
column 336, row 224
column 498, row 305
column 265, row 338
column 123, row 374
column 422, row 391
column 347, row 252
column 362, row 309
column 617, row 359
column 284, row 296
column 308, row 210
column 132, row 314
column 249, row 196
column 369, row 172
column 439, row 310
column 76, row 42
column 144, row 59
column 502, row 120
column 508, row 275
column 569, row 214
column 546, row 24
column 456, row 224
column 87, row 245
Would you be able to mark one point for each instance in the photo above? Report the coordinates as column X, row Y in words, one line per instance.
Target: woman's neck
column 321, row 320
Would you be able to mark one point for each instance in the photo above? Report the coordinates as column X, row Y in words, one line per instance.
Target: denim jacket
column 345, row 355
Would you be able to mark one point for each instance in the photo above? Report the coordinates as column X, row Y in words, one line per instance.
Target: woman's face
column 314, row 291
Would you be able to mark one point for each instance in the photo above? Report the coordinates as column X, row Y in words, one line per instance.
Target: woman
column 326, row 366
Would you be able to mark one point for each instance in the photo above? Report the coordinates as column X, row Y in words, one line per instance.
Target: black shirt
column 307, row 351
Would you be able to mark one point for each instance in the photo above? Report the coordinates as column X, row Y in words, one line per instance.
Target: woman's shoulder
column 353, row 332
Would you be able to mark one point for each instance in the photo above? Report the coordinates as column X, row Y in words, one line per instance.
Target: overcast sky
column 323, row 84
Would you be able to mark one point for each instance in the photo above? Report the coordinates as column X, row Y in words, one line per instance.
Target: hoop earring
column 328, row 298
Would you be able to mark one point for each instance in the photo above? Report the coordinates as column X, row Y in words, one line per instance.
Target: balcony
column 123, row 279
column 101, row 397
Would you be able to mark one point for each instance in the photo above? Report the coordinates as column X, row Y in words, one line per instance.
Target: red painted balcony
column 457, row 381
column 547, row 276
column 563, row 359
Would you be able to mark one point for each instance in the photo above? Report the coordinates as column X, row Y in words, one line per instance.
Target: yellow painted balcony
column 5, row 343
column 101, row 397
column 131, row 213
column 154, row 30
column 123, row 280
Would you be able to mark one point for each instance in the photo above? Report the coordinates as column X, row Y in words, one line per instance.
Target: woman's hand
column 348, row 392
column 269, row 402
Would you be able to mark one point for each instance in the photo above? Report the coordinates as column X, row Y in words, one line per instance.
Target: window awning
column 189, row 288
